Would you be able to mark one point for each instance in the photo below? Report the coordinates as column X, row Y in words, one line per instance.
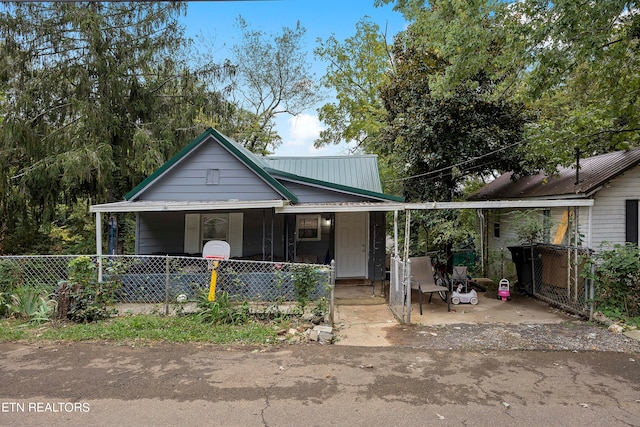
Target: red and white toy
column 503, row 290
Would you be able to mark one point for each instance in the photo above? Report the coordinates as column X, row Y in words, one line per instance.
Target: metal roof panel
column 593, row 173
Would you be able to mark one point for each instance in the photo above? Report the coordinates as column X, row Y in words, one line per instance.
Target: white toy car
column 458, row 297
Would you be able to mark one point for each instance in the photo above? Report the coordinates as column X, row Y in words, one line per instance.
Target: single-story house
column 610, row 181
column 272, row 208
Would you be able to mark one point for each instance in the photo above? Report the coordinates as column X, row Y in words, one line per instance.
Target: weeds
column 27, row 303
column 222, row 311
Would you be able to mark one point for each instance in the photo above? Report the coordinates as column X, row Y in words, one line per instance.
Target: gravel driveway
column 568, row 336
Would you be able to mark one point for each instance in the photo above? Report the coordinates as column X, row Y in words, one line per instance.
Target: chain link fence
column 554, row 274
column 161, row 279
column 398, row 287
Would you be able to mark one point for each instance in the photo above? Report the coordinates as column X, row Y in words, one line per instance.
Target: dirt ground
column 468, row 368
column 103, row 384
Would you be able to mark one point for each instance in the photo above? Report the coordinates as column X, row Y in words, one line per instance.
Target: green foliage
column 98, row 97
column 616, row 275
column 443, row 229
column 321, row 308
column 222, row 311
column 441, row 142
column 9, row 276
column 305, row 280
column 140, row 329
column 27, row 303
column 89, row 300
column 529, row 226
column 273, row 78
column 356, row 71
column 573, row 63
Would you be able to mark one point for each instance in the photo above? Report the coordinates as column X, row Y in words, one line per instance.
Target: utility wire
column 457, row 164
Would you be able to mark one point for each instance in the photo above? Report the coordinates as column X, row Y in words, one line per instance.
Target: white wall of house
column 609, row 216
column 608, row 222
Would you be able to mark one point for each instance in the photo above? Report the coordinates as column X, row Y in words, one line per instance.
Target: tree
column 273, row 78
column 443, row 141
column 357, row 70
column 583, row 76
column 573, row 62
column 95, row 100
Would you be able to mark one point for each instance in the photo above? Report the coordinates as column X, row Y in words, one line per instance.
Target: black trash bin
column 522, row 257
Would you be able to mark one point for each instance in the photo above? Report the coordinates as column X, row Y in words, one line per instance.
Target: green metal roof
column 351, row 171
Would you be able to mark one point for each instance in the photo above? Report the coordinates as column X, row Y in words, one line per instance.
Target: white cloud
column 303, row 130
column 299, row 132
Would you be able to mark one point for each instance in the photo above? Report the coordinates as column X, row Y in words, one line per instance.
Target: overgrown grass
column 144, row 327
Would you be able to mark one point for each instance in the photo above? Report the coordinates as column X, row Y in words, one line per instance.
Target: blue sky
column 215, row 20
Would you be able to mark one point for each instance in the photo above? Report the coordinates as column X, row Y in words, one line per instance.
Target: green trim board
column 162, row 169
column 244, row 155
column 333, row 186
column 259, row 167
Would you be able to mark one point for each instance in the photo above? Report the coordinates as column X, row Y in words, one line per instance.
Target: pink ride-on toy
column 503, row 290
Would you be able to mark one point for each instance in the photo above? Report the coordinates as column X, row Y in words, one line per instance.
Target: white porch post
column 395, row 234
column 99, row 244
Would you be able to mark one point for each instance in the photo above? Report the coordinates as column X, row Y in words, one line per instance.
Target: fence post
column 333, row 287
column 407, row 289
column 166, row 285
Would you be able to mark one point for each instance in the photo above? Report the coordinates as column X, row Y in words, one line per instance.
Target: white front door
column 352, row 244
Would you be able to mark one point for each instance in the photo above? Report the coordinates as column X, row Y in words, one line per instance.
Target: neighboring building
column 611, row 180
column 267, row 208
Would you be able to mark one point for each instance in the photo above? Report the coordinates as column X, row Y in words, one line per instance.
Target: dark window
column 631, row 220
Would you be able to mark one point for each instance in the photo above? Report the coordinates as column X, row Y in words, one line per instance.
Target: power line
column 457, row 164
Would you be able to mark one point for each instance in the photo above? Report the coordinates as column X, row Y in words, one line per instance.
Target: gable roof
column 248, row 158
column 594, row 172
column 351, row 174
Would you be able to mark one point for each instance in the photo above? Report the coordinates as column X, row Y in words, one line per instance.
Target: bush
column 9, row 276
column 304, row 282
column 83, row 298
column 27, row 303
column 616, row 278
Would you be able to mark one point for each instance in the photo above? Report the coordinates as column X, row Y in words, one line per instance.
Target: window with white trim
column 308, row 227
column 200, row 228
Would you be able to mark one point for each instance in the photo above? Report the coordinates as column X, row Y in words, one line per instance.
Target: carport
column 399, row 289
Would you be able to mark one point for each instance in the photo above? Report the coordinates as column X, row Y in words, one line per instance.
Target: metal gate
column 557, row 277
column 399, row 297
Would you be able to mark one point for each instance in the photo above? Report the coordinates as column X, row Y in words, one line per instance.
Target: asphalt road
column 313, row 385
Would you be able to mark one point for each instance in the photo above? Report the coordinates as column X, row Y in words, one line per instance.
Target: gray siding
column 160, row 232
column 187, row 180
column 308, row 194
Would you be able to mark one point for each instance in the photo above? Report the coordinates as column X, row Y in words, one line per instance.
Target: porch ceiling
column 159, row 206
column 497, row 204
column 281, row 206
column 341, row 207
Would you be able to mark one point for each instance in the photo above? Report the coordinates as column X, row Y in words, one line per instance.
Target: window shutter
column 192, row 234
column 631, row 220
column 235, row 233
